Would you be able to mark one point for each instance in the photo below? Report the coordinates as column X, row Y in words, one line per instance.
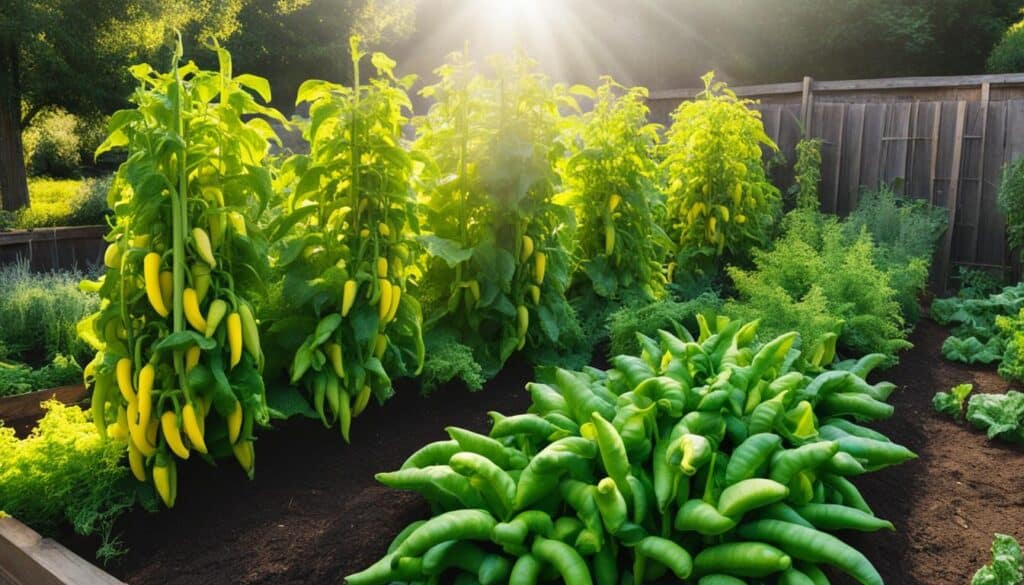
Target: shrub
column 817, row 279
column 1011, row 202
column 65, row 202
column 668, row 314
column 65, row 472
column 807, row 173
column 52, row 145
column 19, row 378
column 39, row 313
column 1008, row 54
column 720, row 202
column 905, row 234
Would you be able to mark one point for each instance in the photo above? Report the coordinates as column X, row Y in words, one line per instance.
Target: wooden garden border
column 26, row 558
column 59, row 248
column 23, row 408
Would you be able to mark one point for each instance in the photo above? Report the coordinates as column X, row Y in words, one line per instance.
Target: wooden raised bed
column 60, row 248
column 22, row 410
column 26, row 558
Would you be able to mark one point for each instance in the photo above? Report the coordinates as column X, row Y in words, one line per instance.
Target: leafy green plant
column 678, row 462
column 905, row 234
column 1011, row 329
column 18, row 378
column 983, row 328
column 626, row 323
column 1011, row 203
column 65, row 202
column 178, row 357
column 348, row 320
column 952, row 402
column 720, row 202
column 819, row 282
column 807, row 174
column 610, row 182
column 39, row 313
column 1006, row 566
column 498, row 263
column 63, row 472
column 1007, row 55
column 976, row 283
column 1001, row 416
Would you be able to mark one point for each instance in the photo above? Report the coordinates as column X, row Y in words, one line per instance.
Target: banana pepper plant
column 611, row 179
column 498, row 265
column 720, row 200
column 347, row 320
column 178, row 360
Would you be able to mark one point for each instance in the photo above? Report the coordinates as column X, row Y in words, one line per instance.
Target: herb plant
column 720, row 201
column 807, row 174
column 1006, row 567
column 347, row 319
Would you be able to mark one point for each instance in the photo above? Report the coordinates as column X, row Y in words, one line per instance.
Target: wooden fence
column 941, row 139
column 61, row 248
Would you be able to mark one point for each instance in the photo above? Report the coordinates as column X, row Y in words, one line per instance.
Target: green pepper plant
column 343, row 249
column 178, row 360
column 705, row 457
column 498, row 265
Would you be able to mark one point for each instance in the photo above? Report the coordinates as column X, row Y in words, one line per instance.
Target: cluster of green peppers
column 710, row 459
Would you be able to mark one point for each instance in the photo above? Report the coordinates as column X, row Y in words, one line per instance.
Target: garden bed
column 21, row 411
column 315, row 513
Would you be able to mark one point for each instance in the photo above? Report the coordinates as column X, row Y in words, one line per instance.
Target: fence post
column 954, row 192
column 806, row 105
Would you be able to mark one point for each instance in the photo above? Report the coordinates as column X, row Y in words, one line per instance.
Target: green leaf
column 450, row 251
column 952, row 402
column 256, row 83
column 285, row 402
column 183, row 340
column 325, row 328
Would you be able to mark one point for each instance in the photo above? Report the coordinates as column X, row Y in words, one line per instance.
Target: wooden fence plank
column 954, row 187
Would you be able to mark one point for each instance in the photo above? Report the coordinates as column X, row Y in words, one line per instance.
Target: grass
column 64, row 202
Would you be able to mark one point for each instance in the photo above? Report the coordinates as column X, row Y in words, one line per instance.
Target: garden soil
column 315, row 514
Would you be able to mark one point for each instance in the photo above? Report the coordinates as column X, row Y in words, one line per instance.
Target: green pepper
column 403, row 535
column 569, row 564
column 634, row 370
column 464, row 555
column 849, row 493
column 793, row 576
column 699, row 516
column 606, row 569
column 454, row 525
column 502, row 456
column 613, row 452
column 583, row 499
column 876, row 454
column 436, row 453
column 743, row 559
column 581, row 400
column 782, row 511
column 851, row 428
column 762, row 420
column 668, row 553
column 546, row 399
column 836, row 517
column 496, row 482
column 530, row 425
column 512, row 534
column 525, row 571
column 843, row 463
column 494, row 570
column 743, row 496
column 695, row 452
column 543, row 472
column 808, row 544
column 611, row 504
column 859, row 406
column 440, row 484
column 719, row 579
column 787, row 463
column 750, row 455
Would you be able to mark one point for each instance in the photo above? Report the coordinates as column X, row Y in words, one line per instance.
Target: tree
column 74, row 54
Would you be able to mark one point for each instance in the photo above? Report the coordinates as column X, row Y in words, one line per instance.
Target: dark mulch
column 315, row 513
